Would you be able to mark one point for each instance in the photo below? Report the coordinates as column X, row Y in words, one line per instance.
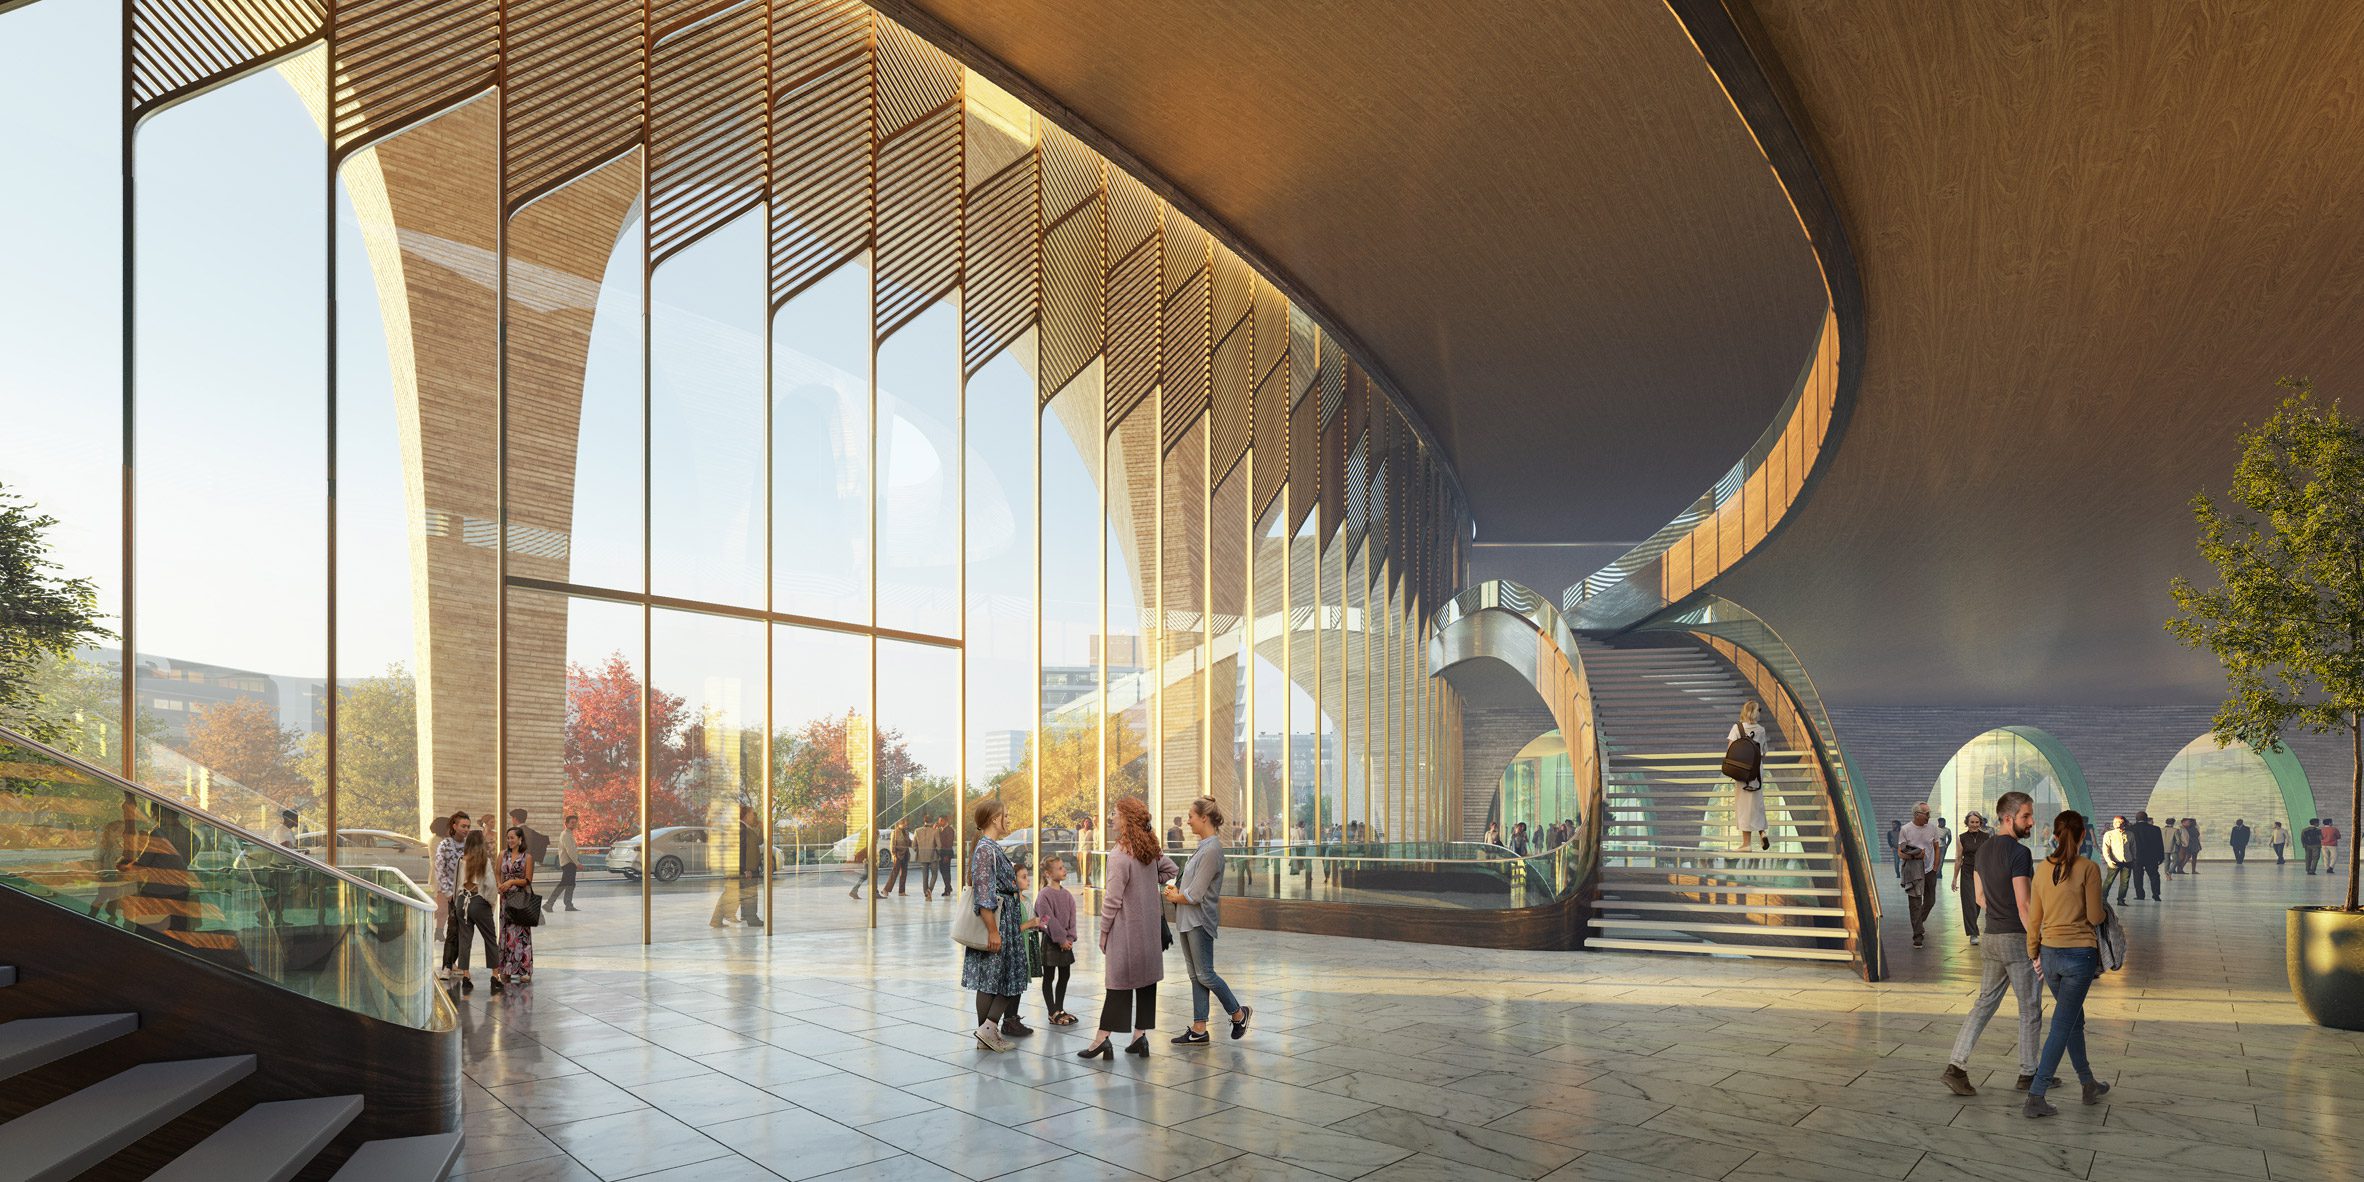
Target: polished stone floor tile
column 1338, row 1154
column 564, row 1099
column 709, row 1099
column 633, row 1143
column 798, row 1145
column 1496, row 1150
column 966, row 1145
column 1148, row 1149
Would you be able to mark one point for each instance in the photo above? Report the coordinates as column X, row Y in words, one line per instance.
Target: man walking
column 2174, row 838
column 923, row 848
column 2005, row 874
column 2278, row 836
column 1974, row 835
column 1918, row 853
column 944, row 852
column 2330, row 847
column 898, row 880
column 2310, row 843
column 2117, row 859
column 570, row 863
column 1896, row 852
column 2150, row 849
column 2238, row 838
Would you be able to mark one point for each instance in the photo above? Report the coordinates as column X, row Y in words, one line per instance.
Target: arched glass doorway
column 2011, row 759
column 2220, row 785
column 1538, row 789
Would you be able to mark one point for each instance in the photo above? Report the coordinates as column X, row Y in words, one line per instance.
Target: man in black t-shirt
column 2005, row 872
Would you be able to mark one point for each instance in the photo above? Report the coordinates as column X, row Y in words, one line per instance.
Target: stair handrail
column 213, row 820
column 1713, row 615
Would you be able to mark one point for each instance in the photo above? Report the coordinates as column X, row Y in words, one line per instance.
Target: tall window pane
column 706, row 437
column 821, row 449
column 918, row 767
column 704, row 851
column 1131, row 524
column 1072, row 535
column 1227, row 721
column 231, row 359
column 573, row 749
column 999, row 630
column 820, row 768
column 61, row 333
column 918, row 469
column 1182, row 656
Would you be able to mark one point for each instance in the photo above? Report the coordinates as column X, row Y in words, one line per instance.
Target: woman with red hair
column 1132, row 929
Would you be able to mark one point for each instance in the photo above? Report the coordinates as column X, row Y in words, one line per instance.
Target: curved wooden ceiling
column 2091, row 237
column 1542, row 219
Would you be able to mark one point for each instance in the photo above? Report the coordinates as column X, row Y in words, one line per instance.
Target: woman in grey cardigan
column 1131, row 931
column 1198, row 908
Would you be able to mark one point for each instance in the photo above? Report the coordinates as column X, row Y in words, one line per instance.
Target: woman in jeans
column 470, row 911
column 2063, row 908
column 1198, row 906
column 1131, row 932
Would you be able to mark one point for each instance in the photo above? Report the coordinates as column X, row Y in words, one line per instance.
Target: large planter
column 2325, row 950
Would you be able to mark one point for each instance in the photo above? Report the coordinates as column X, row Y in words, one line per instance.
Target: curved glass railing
column 1720, row 618
column 91, row 842
column 1735, row 513
column 1466, row 876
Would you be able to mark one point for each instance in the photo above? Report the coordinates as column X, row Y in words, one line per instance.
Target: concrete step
column 1698, row 851
column 28, row 1043
column 265, row 1143
column 1623, row 888
column 402, row 1159
column 63, row 1138
column 1636, row 905
column 1613, row 944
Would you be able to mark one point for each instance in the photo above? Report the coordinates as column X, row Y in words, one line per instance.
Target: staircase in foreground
column 1673, row 878
column 268, row 1142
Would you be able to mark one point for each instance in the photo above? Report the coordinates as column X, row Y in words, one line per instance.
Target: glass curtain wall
column 715, row 476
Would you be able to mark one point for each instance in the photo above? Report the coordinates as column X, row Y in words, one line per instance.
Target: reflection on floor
column 722, row 1056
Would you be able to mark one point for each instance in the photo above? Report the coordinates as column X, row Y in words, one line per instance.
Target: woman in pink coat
column 1132, row 930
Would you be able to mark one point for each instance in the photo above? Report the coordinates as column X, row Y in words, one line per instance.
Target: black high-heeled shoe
column 1103, row 1051
column 1139, row 1046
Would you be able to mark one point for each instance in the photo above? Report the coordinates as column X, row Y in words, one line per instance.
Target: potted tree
column 2286, row 620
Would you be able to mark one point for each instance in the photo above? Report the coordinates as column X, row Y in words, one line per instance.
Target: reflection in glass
column 1131, row 581
column 1538, row 787
column 1072, row 535
column 231, row 358
column 574, row 339
column 1227, row 720
column 999, row 629
column 821, row 449
column 573, row 749
column 1992, row 764
column 1182, row 656
column 1268, row 648
column 2216, row 786
column 1309, row 752
column 704, row 852
column 706, row 397
column 918, row 767
column 60, row 331
column 919, row 484
column 820, row 777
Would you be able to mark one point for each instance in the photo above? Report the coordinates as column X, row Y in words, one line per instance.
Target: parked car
column 414, row 856
column 1055, row 840
column 678, row 850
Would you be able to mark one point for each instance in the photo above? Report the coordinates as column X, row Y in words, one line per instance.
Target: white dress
column 1748, row 808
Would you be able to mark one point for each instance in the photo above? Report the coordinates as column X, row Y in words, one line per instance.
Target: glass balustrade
column 97, row 845
column 1444, row 875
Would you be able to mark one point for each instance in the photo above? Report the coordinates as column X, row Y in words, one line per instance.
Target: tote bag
column 968, row 928
column 2110, row 935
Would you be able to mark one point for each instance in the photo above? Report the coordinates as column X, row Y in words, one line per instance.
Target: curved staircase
column 1672, row 877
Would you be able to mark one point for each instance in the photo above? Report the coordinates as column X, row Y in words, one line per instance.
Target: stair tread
column 7, row 975
column 1616, row 944
column 1721, row 908
column 266, row 1143
column 426, row 1158
column 73, row 1133
column 1715, row 851
column 1619, row 889
column 1815, row 931
column 28, row 1043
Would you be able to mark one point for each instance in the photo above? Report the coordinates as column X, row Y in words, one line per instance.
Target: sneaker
column 989, row 1037
column 1916, row 941
column 2049, row 1084
column 1193, row 1038
column 2095, row 1090
column 1974, row 941
column 2037, row 1106
column 1958, row 1081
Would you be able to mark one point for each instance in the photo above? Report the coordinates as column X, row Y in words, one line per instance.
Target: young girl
column 1029, row 927
column 1054, row 911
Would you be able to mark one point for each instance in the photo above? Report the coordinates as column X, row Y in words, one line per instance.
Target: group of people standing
column 464, row 869
column 931, row 845
column 1522, row 842
column 1028, row 939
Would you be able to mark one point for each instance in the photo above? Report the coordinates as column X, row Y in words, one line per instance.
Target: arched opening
column 2219, row 786
column 1538, row 790
column 2012, row 759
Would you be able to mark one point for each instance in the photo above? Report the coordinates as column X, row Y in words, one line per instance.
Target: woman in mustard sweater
column 2063, row 908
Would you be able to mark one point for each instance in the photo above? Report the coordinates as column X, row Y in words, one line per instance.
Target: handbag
column 523, row 909
column 2110, row 936
column 968, row 928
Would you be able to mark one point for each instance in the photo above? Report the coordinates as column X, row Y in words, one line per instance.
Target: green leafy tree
column 377, row 755
column 2286, row 619
column 242, row 739
column 81, row 704
column 44, row 617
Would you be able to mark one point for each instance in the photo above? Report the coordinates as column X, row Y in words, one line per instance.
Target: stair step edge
column 427, row 1158
column 28, row 1043
column 266, row 1143
column 66, row 1136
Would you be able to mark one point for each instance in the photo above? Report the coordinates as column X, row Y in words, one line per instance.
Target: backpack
column 1743, row 759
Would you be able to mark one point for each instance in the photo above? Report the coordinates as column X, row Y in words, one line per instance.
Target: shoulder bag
column 968, row 927
column 2110, row 936
column 523, row 908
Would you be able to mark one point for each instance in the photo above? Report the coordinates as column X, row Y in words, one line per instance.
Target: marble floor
column 727, row 1056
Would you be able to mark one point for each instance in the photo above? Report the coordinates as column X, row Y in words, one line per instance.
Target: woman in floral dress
column 998, row 972
column 517, row 940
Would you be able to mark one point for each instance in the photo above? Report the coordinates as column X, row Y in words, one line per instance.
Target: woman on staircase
column 1748, row 796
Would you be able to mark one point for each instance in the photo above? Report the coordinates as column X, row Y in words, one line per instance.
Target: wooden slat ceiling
column 1541, row 217
column 2091, row 237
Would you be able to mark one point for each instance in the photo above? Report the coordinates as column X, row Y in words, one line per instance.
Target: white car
column 414, row 856
column 676, row 850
